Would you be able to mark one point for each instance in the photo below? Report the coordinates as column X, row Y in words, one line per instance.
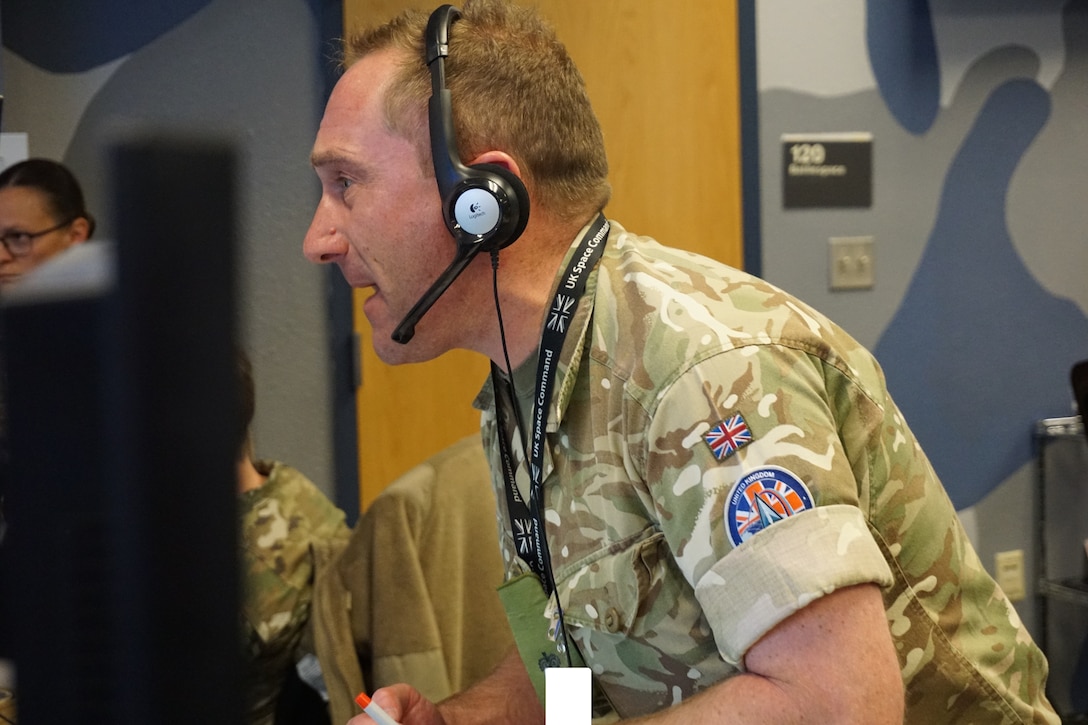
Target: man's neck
column 249, row 478
column 526, row 275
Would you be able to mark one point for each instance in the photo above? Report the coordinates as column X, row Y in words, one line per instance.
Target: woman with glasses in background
column 42, row 213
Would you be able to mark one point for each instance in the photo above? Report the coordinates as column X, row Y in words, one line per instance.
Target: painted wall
column 980, row 176
column 78, row 76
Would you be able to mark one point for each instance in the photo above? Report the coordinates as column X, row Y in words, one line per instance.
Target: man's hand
column 504, row 696
column 404, row 704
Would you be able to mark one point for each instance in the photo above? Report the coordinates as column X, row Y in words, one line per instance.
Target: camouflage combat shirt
column 279, row 521
column 718, row 455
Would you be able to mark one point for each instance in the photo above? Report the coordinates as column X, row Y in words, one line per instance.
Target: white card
column 568, row 696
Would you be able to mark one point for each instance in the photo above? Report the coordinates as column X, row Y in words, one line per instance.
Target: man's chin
column 388, row 350
column 392, row 352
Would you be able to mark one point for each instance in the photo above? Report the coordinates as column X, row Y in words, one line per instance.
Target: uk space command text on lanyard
column 527, row 520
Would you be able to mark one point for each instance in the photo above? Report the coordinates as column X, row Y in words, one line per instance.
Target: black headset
column 484, row 206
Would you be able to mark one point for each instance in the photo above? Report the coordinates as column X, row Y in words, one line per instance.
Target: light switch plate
column 851, row 263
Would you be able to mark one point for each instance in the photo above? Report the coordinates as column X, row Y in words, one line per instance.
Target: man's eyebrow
column 330, row 157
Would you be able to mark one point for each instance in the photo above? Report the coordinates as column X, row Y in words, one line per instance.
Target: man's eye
column 345, row 183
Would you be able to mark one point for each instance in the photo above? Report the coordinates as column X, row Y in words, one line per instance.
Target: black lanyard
column 527, row 520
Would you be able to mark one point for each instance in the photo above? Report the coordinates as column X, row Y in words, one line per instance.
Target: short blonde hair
column 514, row 88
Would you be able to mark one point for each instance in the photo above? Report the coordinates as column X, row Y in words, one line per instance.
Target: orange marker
column 371, row 708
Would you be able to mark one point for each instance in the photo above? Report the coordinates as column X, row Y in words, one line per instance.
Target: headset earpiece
column 488, row 205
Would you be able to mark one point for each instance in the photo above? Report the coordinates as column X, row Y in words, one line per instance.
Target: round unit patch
column 761, row 498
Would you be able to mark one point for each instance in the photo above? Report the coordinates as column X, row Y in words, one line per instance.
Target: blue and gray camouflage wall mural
column 979, row 213
column 979, row 217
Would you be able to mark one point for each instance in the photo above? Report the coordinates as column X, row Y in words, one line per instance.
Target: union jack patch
column 728, row 436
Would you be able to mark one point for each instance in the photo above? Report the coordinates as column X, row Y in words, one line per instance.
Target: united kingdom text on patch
column 728, row 436
column 761, row 498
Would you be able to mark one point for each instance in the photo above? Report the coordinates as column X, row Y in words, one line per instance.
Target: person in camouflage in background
column 281, row 513
column 704, row 490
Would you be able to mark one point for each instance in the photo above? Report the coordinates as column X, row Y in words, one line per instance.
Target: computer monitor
column 121, row 416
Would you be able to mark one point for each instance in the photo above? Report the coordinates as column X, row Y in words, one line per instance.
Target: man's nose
column 323, row 243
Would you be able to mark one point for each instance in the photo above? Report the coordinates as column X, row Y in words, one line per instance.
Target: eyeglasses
column 18, row 243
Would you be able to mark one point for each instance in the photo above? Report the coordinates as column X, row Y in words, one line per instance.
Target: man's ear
column 498, row 158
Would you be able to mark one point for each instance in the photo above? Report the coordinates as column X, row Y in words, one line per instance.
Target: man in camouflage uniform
column 280, row 520
column 704, row 488
column 738, row 526
column 282, row 515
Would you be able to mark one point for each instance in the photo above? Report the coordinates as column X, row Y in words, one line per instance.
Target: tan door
column 663, row 80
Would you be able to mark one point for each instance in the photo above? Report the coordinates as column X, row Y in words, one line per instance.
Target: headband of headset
column 483, row 205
